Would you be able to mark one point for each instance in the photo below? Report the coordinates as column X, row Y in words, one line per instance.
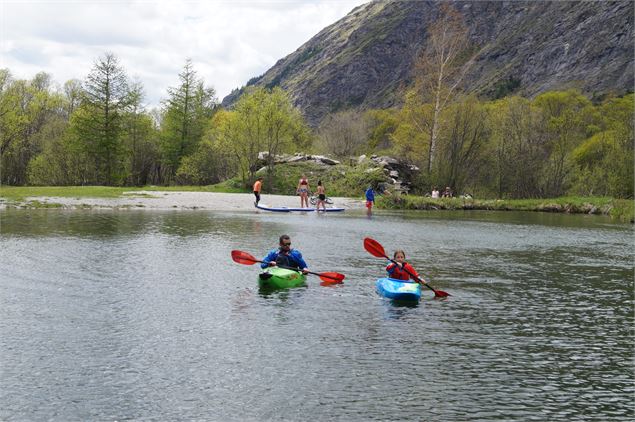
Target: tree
column 518, row 147
column 262, row 121
column 440, row 69
column 141, row 140
column 604, row 162
column 26, row 108
column 186, row 114
column 461, row 145
column 566, row 116
column 73, row 93
column 97, row 125
column 343, row 134
column 411, row 137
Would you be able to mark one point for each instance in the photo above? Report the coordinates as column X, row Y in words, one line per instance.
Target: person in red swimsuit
column 303, row 191
column 400, row 270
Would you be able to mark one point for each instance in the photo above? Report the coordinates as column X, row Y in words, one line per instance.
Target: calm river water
column 142, row 315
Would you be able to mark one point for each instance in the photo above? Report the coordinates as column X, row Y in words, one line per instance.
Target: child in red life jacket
column 400, row 270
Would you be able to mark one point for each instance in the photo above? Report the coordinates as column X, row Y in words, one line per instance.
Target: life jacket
column 286, row 260
column 400, row 273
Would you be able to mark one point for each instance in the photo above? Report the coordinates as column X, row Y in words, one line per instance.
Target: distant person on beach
column 447, row 193
column 257, row 189
column 303, row 191
column 435, row 192
column 321, row 193
column 370, row 198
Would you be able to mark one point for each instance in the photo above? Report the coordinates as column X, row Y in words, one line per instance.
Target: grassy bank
column 19, row 193
column 619, row 209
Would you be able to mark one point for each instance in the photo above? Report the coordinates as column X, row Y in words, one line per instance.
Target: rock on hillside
column 527, row 47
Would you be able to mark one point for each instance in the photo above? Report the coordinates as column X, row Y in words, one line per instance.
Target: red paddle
column 375, row 249
column 248, row 259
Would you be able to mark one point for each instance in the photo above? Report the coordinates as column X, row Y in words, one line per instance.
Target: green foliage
column 97, row 125
column 505, row 87
column 338, row 180
column 204, row 167
column 28, row 111
column 186, row 116
column 605, row 162
column 557, row 144
column 262, row 121
column 383, row 124
column 622, row 210
column 411, row 136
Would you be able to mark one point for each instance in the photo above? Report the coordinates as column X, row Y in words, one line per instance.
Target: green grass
column 620, row 209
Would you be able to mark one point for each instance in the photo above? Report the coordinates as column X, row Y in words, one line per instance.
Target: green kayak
column 280, row 278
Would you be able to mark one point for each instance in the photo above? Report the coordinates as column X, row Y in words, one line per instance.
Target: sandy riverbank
column 162, row 200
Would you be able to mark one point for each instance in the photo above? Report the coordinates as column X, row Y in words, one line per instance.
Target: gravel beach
column 162, row 200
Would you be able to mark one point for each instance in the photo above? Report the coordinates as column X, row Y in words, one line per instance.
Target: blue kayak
column 289, row 209
column 399, row 290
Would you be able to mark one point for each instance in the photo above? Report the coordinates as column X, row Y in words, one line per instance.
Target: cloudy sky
column 229, row 41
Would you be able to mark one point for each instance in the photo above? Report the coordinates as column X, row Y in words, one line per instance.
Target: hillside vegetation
column 366, row 60
column 443, row 131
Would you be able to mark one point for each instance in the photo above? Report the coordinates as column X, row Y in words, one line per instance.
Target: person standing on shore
column 303, row 191
column 257, row 189
column 321, row 192
column 370, row 197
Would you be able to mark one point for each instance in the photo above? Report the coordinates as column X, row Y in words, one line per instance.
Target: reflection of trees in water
column 90, row 223
column 107, row 223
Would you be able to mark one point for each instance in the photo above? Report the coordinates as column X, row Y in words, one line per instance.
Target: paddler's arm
column 297, row 256
column 270, row 259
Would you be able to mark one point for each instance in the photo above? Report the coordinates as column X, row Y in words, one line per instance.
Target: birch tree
column 440, row 69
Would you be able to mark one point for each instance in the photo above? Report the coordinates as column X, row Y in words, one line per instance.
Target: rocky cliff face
column 365, row 59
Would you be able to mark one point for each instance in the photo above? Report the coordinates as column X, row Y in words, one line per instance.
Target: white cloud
column 229, row 42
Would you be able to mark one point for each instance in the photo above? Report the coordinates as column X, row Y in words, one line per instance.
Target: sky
column 229, row 42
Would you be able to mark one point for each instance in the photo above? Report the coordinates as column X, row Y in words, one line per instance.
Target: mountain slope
column 365, row 59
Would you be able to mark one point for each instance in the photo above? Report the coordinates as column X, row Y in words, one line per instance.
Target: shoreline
column 171, row 200
column 621, row 210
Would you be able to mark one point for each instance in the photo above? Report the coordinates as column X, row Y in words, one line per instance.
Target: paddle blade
column 374, row 248
column 437, row 293
column 440, row 294
column 331, row 278
column 243, row 258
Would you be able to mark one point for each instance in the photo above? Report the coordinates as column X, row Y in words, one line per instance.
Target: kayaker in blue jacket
column 285, row 256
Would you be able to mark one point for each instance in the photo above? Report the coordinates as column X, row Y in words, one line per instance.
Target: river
column 142, row 315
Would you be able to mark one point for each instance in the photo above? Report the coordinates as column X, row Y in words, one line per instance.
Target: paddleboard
column 295, row 209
